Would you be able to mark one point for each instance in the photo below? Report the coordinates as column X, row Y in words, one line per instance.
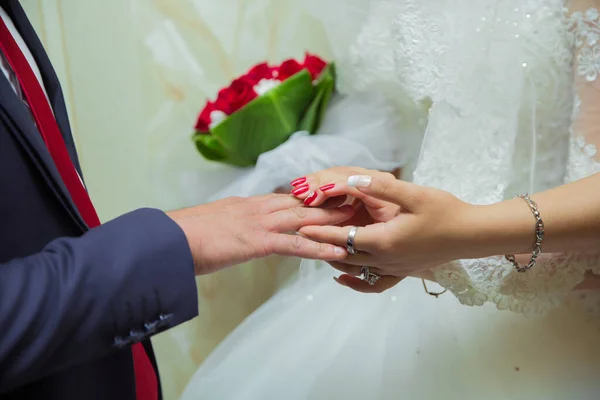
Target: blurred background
column 135, row 74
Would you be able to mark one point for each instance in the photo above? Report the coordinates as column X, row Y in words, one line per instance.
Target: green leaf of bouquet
column 267, row 121
column 309, row 121
column 327, row 86
column 328, row 74
column 324, row 87
column 209, row 147
column 212, row 150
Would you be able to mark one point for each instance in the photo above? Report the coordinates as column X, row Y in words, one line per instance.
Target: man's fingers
column 357, row 284
column 366, row 238
column 271, row 203
column 295, row 218
column 298, row 246
column 386, row 187
column 328, row 234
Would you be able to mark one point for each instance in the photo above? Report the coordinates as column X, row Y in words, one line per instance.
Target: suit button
column 137, row 335
column 165, row 317
column 151, row 327
column 164, row 320
column 121, row 342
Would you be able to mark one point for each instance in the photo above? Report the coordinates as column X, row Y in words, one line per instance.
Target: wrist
column 179, row 219
column 498, row 229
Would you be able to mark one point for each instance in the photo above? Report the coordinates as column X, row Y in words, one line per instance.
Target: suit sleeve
column 83, row 298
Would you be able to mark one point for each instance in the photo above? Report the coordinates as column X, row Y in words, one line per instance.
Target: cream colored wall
column 132, row 121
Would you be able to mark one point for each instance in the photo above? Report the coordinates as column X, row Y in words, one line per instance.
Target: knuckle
column 269, row 245
column 384, row 246
column 417, row 194
column 265, row 202
column 264, row 224
column 388, row 176
column 271, row 196
column 322, row 248
column 299, row 212
column 247, row 244
column 297, row 242
column 385, row 185
column 315, row 177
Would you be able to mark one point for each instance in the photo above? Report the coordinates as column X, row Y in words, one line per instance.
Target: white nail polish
column 359, row 181
column 339, row 251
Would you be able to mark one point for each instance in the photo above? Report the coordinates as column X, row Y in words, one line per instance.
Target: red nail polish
column 298, row 181
column 327, row 187
column 300, row 190
column 309, row 200
column 339, row 281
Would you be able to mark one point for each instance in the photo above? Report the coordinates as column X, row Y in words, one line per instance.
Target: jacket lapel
column 21, row 124
column 51, row 82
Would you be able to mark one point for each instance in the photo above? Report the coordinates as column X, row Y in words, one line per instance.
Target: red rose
column 222, row 101
column 288, row 68
column 314, row 64
column 203, row 123
column 260, row 71
column 236, row 96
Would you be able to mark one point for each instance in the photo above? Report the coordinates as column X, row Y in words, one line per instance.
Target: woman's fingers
column 357, row 284
column 363, row 259
column 314, row 189
column 386, row 187
column 342, row 190
column 353, row 270
column 317, row 196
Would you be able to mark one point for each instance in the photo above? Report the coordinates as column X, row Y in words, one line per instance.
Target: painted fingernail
column 339, row 281
column 339, row 251
column 298, row 181
column 311, row 198
column 359, row 181
column 327, row 187
column 300, row 190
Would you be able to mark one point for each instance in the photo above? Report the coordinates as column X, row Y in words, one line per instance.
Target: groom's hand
column 235, row 230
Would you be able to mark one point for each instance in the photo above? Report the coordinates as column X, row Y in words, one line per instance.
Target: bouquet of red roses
column 261, row 110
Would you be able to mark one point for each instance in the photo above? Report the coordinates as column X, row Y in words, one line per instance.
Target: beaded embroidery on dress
column 499, row 82
column 555, row 276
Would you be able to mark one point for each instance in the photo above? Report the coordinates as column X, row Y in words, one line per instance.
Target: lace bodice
column 506, row 92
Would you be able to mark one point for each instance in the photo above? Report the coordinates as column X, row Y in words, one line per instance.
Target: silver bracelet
column 539, row 236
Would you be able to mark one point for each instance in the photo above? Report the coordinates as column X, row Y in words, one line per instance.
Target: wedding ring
column 368, row 276
column 350, row 241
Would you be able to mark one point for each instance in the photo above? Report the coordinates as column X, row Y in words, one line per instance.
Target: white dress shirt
column 17, row 36
column 7, row 70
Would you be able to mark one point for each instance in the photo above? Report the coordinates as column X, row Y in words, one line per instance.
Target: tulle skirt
column 318, row 340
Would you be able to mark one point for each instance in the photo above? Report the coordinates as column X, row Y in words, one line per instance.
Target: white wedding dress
column 505, row 99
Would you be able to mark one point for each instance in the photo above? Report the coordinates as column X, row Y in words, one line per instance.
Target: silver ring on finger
column 350, row 241
column 370, row 277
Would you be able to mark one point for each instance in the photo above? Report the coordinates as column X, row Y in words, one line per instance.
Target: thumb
column 386, row 187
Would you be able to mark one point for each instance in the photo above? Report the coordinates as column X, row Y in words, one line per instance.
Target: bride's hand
column 431, row 229
column 329, row 188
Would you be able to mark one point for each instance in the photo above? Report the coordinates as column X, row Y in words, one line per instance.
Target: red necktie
column 145, row 376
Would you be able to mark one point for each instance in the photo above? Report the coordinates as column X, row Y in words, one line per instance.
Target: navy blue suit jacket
column 73, row 300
